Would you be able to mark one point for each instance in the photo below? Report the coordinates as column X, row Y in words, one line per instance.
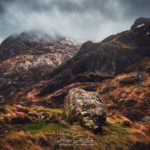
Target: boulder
column 86, row 107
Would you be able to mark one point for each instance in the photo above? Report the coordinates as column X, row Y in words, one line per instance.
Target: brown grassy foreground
column 38, row 128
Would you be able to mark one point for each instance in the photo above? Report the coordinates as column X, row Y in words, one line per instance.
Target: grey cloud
column 137, row 8
column 77, row 19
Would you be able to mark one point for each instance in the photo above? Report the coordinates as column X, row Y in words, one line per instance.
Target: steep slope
column 27, row 58
column 97, row 61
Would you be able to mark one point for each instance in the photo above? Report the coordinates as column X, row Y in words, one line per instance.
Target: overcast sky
column 77, row 19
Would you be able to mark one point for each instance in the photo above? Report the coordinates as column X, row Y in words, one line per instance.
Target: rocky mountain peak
column 141, row 23
column 34, row 43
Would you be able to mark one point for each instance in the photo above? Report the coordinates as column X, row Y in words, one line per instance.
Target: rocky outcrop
column 86, row 107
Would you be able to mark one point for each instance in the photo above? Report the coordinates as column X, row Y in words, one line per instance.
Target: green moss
column 43, row 127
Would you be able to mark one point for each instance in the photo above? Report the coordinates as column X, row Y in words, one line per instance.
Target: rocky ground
column 56, row 95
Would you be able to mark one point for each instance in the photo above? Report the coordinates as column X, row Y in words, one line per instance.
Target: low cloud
column 77, row 19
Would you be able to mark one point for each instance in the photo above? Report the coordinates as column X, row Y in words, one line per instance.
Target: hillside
column 56, row 94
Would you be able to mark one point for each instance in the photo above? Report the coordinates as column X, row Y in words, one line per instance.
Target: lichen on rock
column 86, row 107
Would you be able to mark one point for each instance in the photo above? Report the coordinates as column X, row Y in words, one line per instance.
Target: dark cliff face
column 98, row 61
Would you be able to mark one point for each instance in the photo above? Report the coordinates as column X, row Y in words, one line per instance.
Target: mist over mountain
column 91, row 20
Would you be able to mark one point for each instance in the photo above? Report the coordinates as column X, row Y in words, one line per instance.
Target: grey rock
column 86, row 107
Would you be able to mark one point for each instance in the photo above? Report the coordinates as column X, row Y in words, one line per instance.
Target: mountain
column 125, row 54
column 27, row 58
column 54, row 90
column 105, row 59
